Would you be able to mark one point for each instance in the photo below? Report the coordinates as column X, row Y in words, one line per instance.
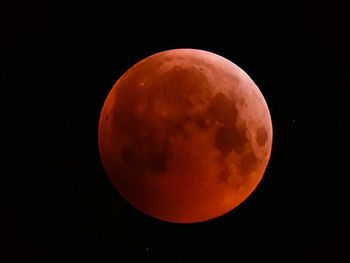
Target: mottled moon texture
column 185, row 135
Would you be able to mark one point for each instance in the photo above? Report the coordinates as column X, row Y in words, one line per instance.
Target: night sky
column 58, row 65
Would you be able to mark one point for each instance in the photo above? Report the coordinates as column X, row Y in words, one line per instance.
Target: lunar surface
column 185, row 135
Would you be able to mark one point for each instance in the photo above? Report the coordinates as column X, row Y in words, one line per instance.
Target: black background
column 58, row 65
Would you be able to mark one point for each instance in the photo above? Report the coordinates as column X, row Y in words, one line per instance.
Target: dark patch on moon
column 179, row 89
column 145, row 154
column 222, row 109
column 150, row 149
column 248, row 162
column 156, row 155
column 261, row 136
column 128, row 154
column 230, row 135
column 201, row 121
column 224, row 175
column 230, row 139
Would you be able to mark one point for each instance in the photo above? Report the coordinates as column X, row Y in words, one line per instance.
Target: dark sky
column 58, row 65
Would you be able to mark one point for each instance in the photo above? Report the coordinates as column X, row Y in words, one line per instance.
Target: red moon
column 185, row 135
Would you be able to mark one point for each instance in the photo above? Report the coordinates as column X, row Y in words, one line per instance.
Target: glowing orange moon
column 185, row 135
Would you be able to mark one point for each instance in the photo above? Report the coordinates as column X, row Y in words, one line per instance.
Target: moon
column 185, row 135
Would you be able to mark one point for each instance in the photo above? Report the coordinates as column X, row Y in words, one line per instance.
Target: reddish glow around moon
column 185, row 135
